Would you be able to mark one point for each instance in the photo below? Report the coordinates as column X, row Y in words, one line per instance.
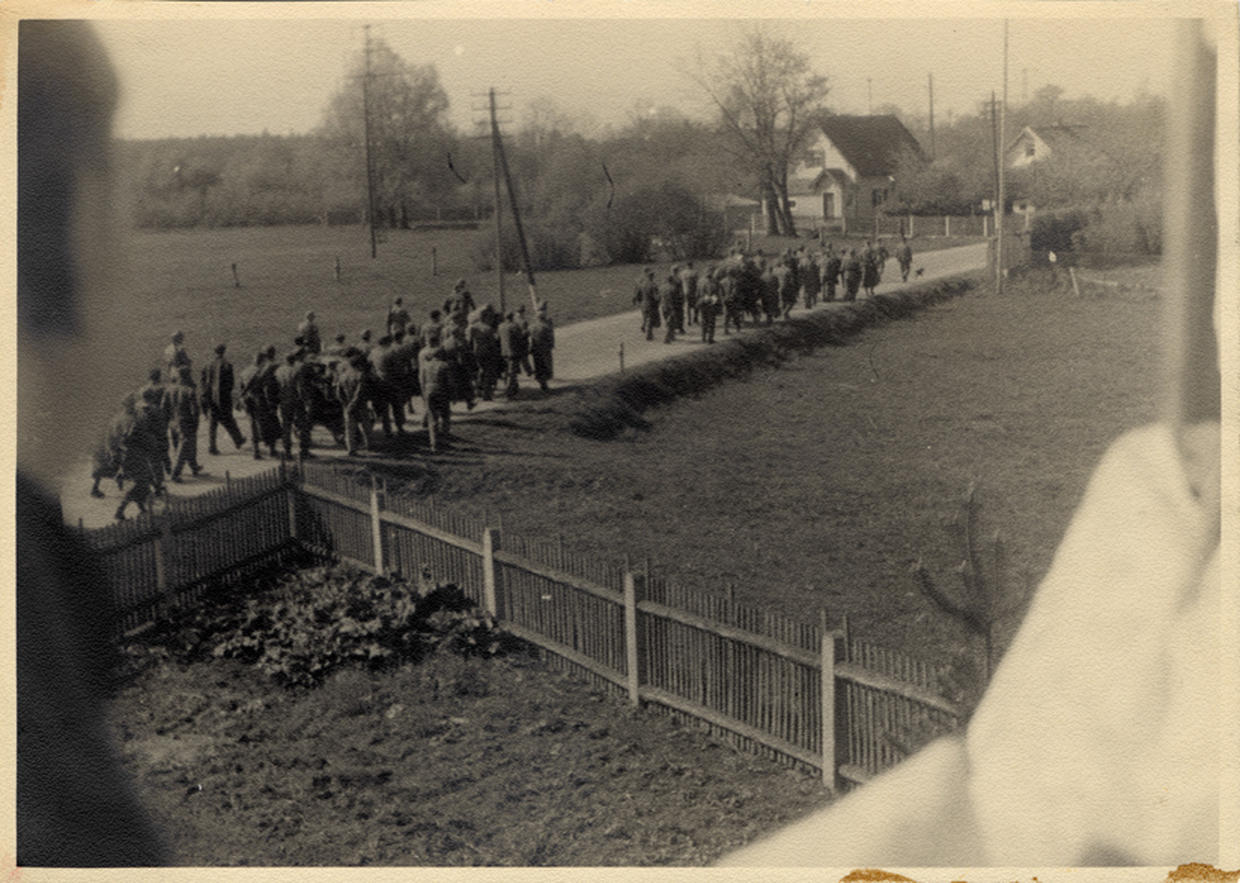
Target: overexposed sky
column 191, row 77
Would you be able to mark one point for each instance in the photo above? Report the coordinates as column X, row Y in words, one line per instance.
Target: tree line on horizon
column 606, row 196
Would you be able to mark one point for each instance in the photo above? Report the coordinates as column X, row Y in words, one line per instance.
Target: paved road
column 584, row 351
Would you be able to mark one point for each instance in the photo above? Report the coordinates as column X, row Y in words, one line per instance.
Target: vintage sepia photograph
column 651, row 436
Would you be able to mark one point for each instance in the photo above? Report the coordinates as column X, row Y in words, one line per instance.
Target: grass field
column 818, row 484
column 182, row 279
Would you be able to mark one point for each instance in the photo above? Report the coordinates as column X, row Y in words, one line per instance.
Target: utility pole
column 933, row 154
column 1024, row 85
column 999, row 216
column 869, row 90
column 499, row 207
column 370, row 169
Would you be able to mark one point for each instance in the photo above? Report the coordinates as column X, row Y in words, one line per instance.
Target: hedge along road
column 585, row 351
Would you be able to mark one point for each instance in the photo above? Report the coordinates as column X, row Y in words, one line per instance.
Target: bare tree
column 769, row 101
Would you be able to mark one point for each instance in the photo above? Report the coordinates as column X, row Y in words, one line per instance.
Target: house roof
column 871, row 144
column 1055, row 137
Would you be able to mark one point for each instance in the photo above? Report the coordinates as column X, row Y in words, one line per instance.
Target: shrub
column 554, row 244
column 1121, row 232
column 319, row 619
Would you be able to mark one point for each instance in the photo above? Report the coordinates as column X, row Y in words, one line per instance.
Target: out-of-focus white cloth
column 1097, row 742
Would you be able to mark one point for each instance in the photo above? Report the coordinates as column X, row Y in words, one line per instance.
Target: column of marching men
column 762, row 287
column 459, row 354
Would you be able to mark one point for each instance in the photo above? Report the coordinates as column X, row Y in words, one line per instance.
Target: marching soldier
column 256, row 397
column 831, row 272
column 294, row 413
column 217, row 394
column 904, row 254
column 355, row 388
column 542, row 342
column 811, row 280
column 689, row 286
column 869, row 269
column 646, row 296
column 708, row 306
column 308, row 331
column 175, row 357
column 511, row 346
column 435, row 376
column 185, row 415
column 484, row 342
column 852, row 275
column 667, row 305
column 397, row 317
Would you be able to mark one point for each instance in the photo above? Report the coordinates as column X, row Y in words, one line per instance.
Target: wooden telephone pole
column 370, row 168
column 499, row 207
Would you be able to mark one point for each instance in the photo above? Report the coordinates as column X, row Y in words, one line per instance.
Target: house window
column 1031, row 149
column 815, row 158
column 878, row 197
column 828, row 205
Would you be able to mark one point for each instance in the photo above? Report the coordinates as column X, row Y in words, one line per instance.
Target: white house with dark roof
column 1038, row 143
column 848, row 171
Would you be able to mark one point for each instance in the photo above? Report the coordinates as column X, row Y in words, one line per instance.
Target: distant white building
column 1039, row 143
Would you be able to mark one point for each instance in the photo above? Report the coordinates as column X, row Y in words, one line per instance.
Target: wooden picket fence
column 803, row 693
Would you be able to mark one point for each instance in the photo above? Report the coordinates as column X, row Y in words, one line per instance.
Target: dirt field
column 450, row 762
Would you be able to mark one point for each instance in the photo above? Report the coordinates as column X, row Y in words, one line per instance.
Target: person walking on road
column 646, row 296
column 667, row 307
column 904, row 254
column 831, row 271
column 186, row 414
column 294, row 409
column 852, row 275
column 869, row 269
column 708, row 305
column 397, row 317
column 511, row 347
column 217, row 394
column 689, row 286
column 484, row 342
column 175, row 357
column 308, row 331
column 542, row 342
column 355, row 388
column 255, row 393
column 435, row 376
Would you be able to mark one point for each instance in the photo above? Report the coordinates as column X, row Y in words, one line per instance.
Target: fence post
column 632, row 653
column 376, row 526
column 947, row 225
column 828, row 650
column 162, row 544
column 292, row 499
column 490, row 586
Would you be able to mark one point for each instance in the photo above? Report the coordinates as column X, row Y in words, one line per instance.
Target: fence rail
column 799, row 691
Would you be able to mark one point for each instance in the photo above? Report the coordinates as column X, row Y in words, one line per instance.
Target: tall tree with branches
column 769, row 101
column 409, row 132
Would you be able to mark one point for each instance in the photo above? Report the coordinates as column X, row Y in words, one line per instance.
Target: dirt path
column 584, row 351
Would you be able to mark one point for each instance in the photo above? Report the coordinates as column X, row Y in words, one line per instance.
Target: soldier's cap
column 310, row 314
column 271, row 352
column 155, row 376
column 461, row 283
column 365, row 335
column 385, row 340
column 299, row 341
column 399, row 301
column 542, row 306
column 178, row 336
column 220, row 347
column 521, row 308
column 340, row 337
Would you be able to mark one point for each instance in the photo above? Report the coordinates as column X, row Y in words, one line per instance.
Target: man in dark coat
column 689, row 285
column 542, row 342
column 646, row 296
column 852, row 275
column 831, row 272
column 484, row 342
column 186, row 413
column 217, row 395
column 260, row 402
column 708, row 305
column 512, row 350
column 904, row 254
column 667, row 306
